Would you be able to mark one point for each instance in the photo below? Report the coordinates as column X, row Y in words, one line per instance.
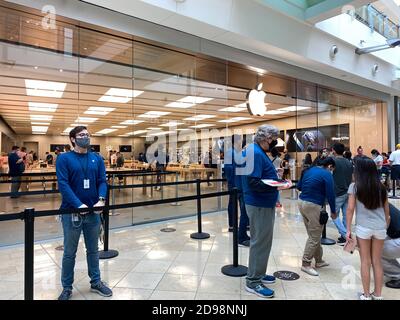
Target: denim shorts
column 366, row 233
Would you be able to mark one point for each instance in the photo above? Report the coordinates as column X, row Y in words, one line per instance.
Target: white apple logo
column 255, row 101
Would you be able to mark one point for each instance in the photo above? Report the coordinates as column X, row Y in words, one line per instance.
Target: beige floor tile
column 341, row 291
column 167, row 255
column 174, row 282
column 217, row 296
column 140, row 280
column 110, row 277
column 152, row 266
column 172, row 295
column 118, row 264
column 187, row 267
column 131, row 294
column 225, row 285
column 305, row 290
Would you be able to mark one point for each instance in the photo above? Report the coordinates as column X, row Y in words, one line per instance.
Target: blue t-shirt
column 259, row 165
column 14, row 168
column 316, row 185
column 72, row 169
column 234, row 159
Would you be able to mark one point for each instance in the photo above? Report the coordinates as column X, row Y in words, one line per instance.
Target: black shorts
column 395, row 172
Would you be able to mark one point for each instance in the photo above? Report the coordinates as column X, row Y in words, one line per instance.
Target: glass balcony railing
column 378, row 21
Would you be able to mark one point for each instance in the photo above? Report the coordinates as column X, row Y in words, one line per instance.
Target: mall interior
column 178, row 74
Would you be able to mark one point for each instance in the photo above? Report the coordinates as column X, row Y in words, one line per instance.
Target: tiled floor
column 157, row 265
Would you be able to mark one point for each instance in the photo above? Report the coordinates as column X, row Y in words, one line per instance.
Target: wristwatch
column 102, row 199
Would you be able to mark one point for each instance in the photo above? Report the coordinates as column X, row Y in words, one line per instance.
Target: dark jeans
column 15, row 185
column 244, row 219
column 90, row 225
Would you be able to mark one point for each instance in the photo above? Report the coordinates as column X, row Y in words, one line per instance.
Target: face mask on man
column 83, row 142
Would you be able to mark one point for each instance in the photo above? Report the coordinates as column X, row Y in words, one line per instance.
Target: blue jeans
column 230, row 207
column 341, row 203
column 244, row 220
column 90, row 224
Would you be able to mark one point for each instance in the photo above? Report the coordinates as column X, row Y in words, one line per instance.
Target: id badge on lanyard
column 86, row 184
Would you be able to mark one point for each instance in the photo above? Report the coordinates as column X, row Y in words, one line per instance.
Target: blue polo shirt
column 72, row 169
column 259, row 165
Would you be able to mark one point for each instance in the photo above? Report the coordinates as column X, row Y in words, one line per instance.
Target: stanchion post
column 235, row 270
column 29, row 219
column 199, row 234
column 106, row 253
column 324, row 240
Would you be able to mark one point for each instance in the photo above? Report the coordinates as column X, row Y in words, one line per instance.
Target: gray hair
column 266, row 131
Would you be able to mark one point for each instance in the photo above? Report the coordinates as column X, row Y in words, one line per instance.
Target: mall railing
column 377, row 21
column 29, row 215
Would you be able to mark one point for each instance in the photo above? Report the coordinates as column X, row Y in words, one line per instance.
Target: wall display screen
column 125, row 148
column 54, row 147
column 95, row 148
column 314, row 139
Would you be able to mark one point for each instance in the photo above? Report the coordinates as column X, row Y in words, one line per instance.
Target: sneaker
column 66, row 294
column 101, row 289
column 363, row 297
column 394, row 284
column 245, row 243
column 267, row 279
column 341, row 241
column 374, row 297
column 321, row 264
column 261, row 291
column 310, row 270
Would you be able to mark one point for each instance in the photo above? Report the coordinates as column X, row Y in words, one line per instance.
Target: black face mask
column 272, row 144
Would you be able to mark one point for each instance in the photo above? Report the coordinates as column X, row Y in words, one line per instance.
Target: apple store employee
column 82, row 182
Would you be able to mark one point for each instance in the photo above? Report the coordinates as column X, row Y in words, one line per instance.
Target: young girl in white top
column 368, row 197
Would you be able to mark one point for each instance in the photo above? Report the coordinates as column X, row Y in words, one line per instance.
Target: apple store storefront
column 131, row 92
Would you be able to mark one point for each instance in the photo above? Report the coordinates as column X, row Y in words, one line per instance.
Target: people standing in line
column 120, row 164
column 82, row 183
column 378, row 159
column 316, row 185
column 142, row 157
column 342, row 177
column 162, row 159
column 277, row 161
column 57, row 152
column 323, row 154
column 234, row 162
column 15, row 169
column 368, row 199
column 260, row 200
column 359, row 155
column 391, row 250
column 348, row 155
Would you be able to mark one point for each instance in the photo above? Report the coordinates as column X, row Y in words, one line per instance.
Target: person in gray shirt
column 342, row 176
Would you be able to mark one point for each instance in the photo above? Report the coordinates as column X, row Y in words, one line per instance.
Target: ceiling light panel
column 236, row 119
column 294, row 108
column 120, row 95
column 41, row 88
column 275, row 112
column 37, row 117
column 102, row 111
column 39, row 128
column 105, row 131
column 204, row 125
column 40, row 123
column 132, row 122
column 42, row 107
column 188, row 102
column 232, row 109
column 86, row 119
column 200, row 117
column 171, row 124
column 153, row 114
column 119, row 127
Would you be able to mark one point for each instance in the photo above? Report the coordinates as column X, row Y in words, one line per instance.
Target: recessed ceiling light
column 78, row 124
column 294, row 108
column 86, row 119
column 137, row 132
column 232, row 109
column 123, row 135
column 183, row 129
column 200, row 117
column 188, row 102
column 119, row 127
column 102, row 111
column 131, row 122
column 153, row 128
column 204, row 125
column 153, row 114
column 61, row 70
column 41, row 88
column 39, row 128
column 236, row 119
column 36, row 117
column 274, row 112
column 42, row 107
column 241, row 105
column 38, row 132
column 40, row 123
column 120, row 95
column 105, row 131
column 36, row 67
column 68, row 129
column 161, row 133
column 171, row 124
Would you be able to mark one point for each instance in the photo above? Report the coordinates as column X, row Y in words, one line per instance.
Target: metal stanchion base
column 200, row 235
column 232, row 271
column 108, row 254
column 327, row 241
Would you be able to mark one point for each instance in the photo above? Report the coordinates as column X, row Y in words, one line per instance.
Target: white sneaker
column 374, row 297
column 321, row 264
column 310, row 270
column 363, row 297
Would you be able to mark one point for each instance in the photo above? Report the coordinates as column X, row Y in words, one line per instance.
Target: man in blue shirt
column 16, row 167
column 260, row 200
column 82, row 183
column 316, row 185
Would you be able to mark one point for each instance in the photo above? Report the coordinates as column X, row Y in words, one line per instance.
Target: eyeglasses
column 82, row 135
